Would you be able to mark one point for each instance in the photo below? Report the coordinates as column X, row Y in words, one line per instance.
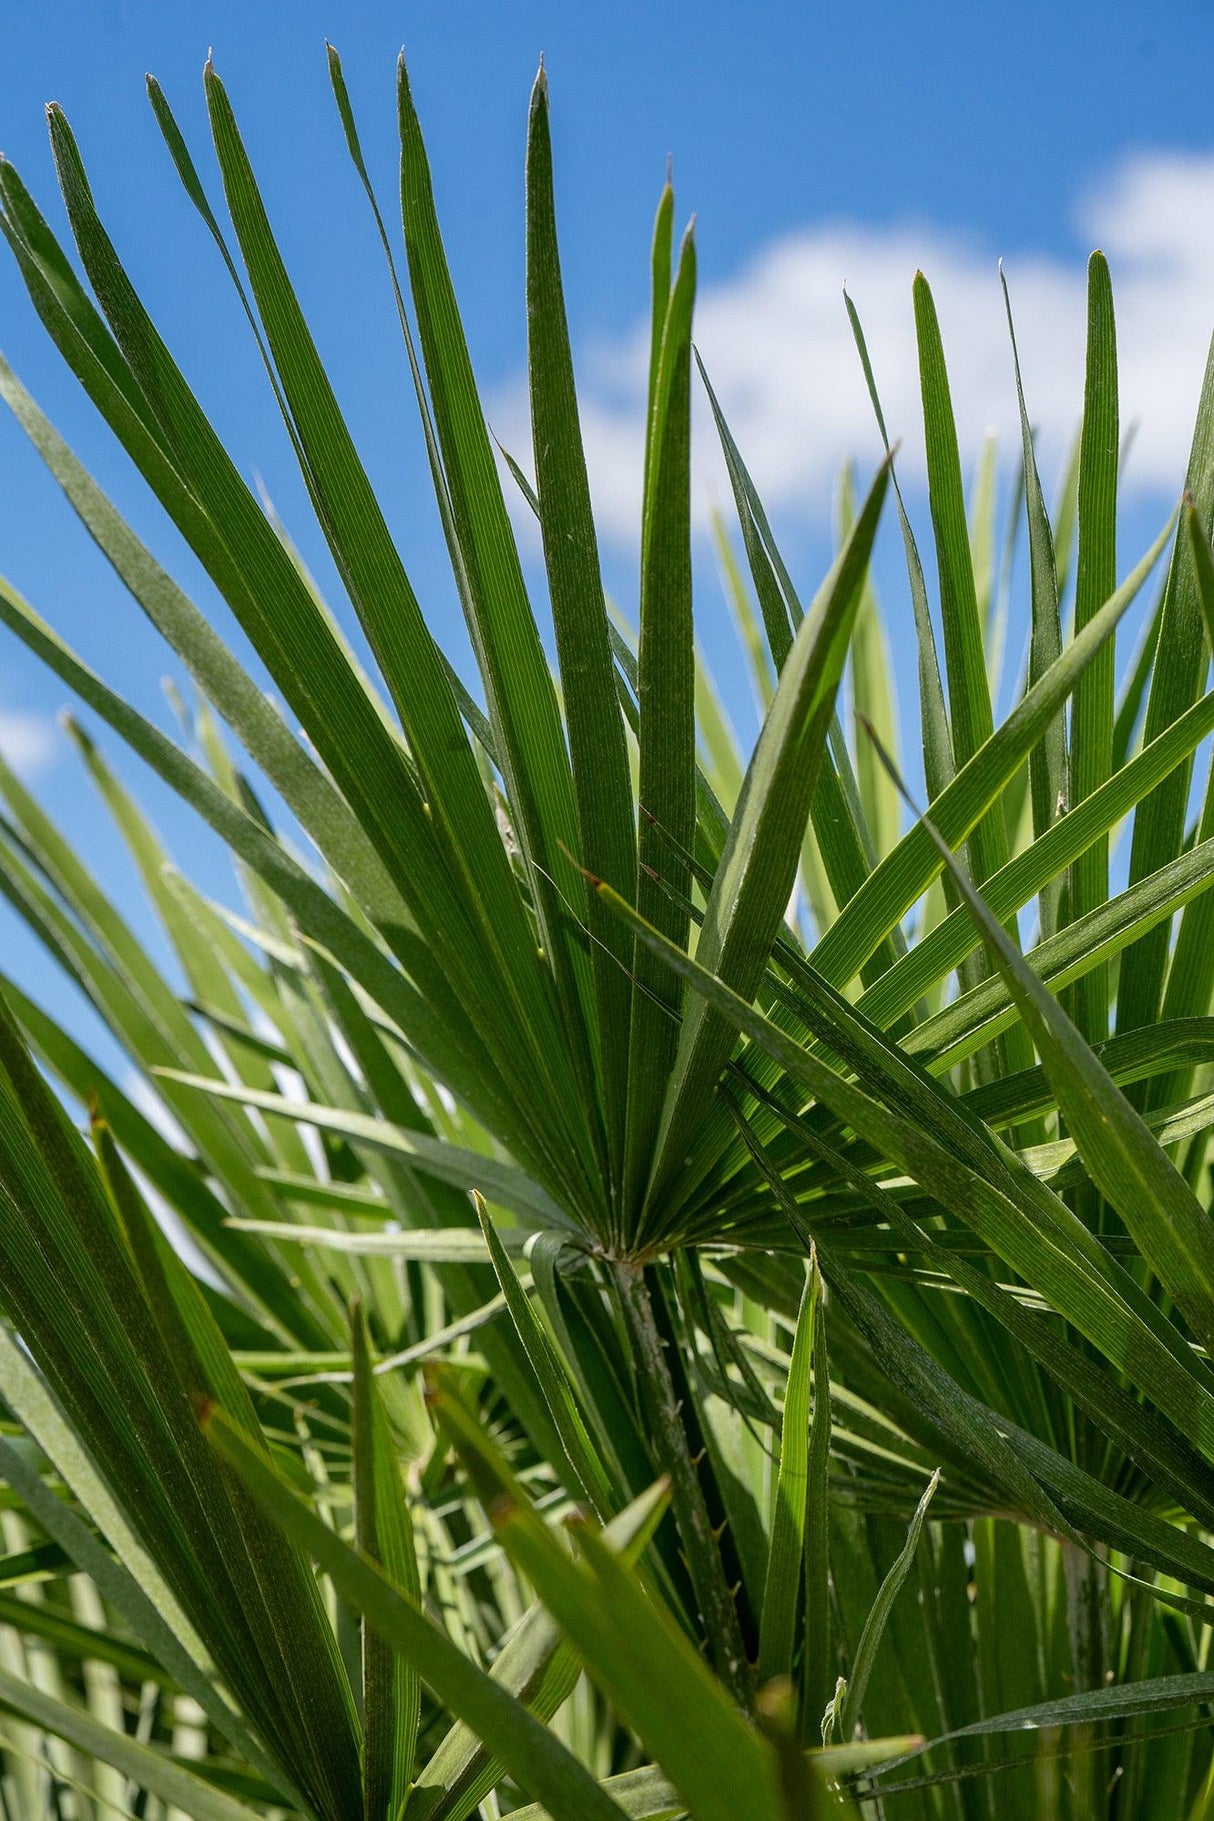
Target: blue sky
column 816, row 145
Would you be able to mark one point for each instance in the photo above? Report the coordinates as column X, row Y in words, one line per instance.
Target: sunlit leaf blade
column 146, row 1768
column 312, row 1062
column 874, row 697
column 1156, row 1695
column 838, row 845
column 384, row 1533
column 1071, row 953
column 1083, row 1281
column 970, row 717
column 532, row 1754
column 938, row 757
column 878, row 1618
column 777, row 599
column 1032, row 869
column 1095, row 580
column 1124, row 1160
column 320, row 916
column 1159, row 1448
column 259, row 726
column 898, row 880
column 598, row 756
column 465, row 1170
column 666, row 673
column 1048, row 763
column 215, row 495
column 645, row 1795
column 351, row 515
column 819, row 1627
column 258, row 1611
column 661, row 266
column 195, row 479
column 136, row 1592
column 788, row 1520
column 518, row 686
column 754, row 878
column 652, row 1672
column 1159, row 820
column 539, row 1666
column 80, row 1643
column 550, row 1373
column 1190, row 984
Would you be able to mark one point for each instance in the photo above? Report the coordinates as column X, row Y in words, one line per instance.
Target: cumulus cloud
column 778, row 348
column 26, row 740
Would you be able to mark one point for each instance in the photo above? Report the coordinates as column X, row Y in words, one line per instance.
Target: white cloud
column 779, row 351
column 26, row 740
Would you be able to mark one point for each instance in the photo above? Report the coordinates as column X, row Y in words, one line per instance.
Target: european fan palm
column 882, row 1240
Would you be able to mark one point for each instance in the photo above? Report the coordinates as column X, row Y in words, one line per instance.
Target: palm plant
column 807, row 1203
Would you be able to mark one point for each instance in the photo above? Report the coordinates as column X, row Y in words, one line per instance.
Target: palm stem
column 661, row 1412
column 1086, row 1594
